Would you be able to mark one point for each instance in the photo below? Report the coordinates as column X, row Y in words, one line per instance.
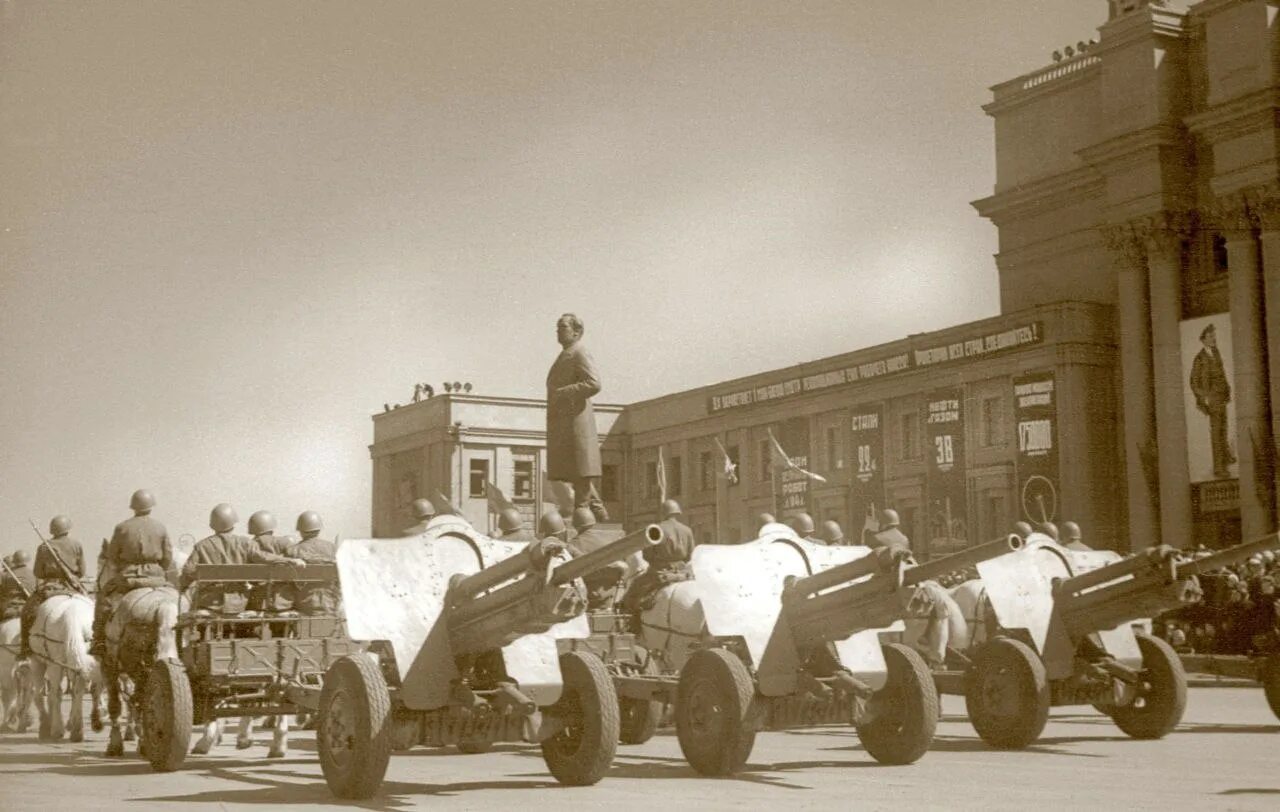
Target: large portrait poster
column 793, row 486
column 1035, row 409
column 948, row 491
column 866, row 482
column 1207, row 372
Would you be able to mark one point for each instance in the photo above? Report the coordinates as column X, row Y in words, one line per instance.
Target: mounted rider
column 139, row 554
column 52, row 556
column 16, row 583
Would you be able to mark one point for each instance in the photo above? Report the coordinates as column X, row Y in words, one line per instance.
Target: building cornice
column 1131, row 146
column 1238, row 116
column 1043, row 82
column 1048, row 192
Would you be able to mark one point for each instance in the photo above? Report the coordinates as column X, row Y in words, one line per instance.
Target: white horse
column 60, row 637
column 17, row 711
column 212, row 736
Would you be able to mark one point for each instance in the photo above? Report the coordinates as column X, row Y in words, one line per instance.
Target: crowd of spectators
column 1240, row 612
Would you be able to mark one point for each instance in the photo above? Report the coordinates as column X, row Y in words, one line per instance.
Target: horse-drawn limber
column 240, row 665
column 463, row 633
column 1057, row 629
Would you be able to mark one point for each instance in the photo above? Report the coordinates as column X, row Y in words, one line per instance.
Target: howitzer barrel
column 882, row 559
column 1157, row 559
column 1229, row 556
column 931, row 570
column 588, row 563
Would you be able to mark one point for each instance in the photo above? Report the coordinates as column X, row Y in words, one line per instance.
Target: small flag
column 730, row 471
column 662, row 477
column 497, row 500
column 871, row 521
column 443, row 506
column 781, row 460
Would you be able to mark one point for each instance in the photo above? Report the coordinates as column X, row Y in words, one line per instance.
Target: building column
column 1164, row 239
column 1249, row 357
column 1268, row 211
column 1128, row 251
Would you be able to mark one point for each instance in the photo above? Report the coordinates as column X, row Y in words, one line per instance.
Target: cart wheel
column 640, row 717
column 1270, row 678
column 714, row 712
column 580, row 754
column 166, row 732
column 353, row 732
column 1007, row 694
column 1163, row 696
column 906, row 710
column 474, row 748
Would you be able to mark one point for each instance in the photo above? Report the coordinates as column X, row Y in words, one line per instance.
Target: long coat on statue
column 573, row 448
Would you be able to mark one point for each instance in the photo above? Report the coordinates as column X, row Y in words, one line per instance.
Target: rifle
column 16, row 580
column 67, row 575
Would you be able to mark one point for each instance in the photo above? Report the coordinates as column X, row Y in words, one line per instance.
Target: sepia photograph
column 608, row 404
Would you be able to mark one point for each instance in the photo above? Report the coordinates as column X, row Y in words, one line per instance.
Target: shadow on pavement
column 1250, row 791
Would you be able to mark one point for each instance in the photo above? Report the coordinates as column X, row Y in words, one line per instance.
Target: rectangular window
column 764, row 461
column 675, row 477
column 609, row 483
column 706, row 474
column 992, row 421
column 651, row 480
column 910, row 436
column 479, row 476
column 835, row 454
column 522, row 480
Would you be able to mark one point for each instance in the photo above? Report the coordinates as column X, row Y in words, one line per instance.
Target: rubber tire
column 356, row 679
column 1269, row 676
column 640, row 717
column 580, row 755
column 1167, row 700
column 169, row 712
column 902, row 735
column 474, row 748
column 1025, row 668
column 722, row 747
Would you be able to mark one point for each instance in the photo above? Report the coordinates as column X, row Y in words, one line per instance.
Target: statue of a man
column 573, row 447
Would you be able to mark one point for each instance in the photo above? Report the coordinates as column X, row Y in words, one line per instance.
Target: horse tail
column 79, row 631
column 166, row 618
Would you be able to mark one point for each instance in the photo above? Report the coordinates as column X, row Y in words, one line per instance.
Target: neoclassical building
column 1141, row 171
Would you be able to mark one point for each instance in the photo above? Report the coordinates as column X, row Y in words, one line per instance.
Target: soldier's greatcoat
column 676, row 545
column 139, row 550
column 71, row 553
column 573, row 447
column 224, row 548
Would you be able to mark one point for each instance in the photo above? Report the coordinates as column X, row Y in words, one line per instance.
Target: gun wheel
column 581, row 753
column 640, row 717
column 166, row 730
column 906, row 710
column 1162, row 696
column 714, row 709
column 1007, row 694
column 1269, row 675
column 353, row 730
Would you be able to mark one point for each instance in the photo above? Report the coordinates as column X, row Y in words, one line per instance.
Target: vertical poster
column 866, row 481
column 1035, row 409
column 948, row 492
column 793, row 486
column 1207, row 372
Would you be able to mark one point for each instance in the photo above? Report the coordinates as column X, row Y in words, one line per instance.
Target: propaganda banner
column 948, row 525
column 1035, row 409
column 866, row 481
column 792, row 485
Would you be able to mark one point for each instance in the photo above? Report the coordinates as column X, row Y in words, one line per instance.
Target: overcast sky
column 232, row 231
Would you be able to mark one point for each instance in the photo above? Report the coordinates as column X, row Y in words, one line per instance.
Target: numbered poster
column 866, row 494
column 793, row 486
column 948, row 525
column 1035, row 408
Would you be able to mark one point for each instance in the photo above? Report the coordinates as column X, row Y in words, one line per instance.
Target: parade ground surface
column 1222, row 756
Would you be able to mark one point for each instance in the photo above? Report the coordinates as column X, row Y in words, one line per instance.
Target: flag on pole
column 497, row 500
column 443, row 506
column 781, row 460
column 730, row 471
column 662, row 477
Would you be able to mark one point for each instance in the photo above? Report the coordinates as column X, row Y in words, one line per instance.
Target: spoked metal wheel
column 581, row 753
column 714, row 712
column 1007, row 694
column 353, row 736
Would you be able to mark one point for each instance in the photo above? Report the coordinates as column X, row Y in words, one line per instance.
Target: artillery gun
column 463, row 633
column 1066, row 636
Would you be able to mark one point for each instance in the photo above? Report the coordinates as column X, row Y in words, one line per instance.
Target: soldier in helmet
column 832, row 534
column 139, row 554
column 668, row 560
column 890, row 534
column 1073, row 538
column 269, row 597
column 313, row 597
column 1022, row 529
column 802, row 523
column 511, row 525
column 423, row 510
column 225, row 547
column 762, row 520
column 16, row 583
column 51, row 579
column 602, row 585
column 262, row 526
column 551, row 526
column 1049, row 529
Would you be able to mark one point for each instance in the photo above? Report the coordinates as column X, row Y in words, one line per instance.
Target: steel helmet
column 261, row 522
column 802, row 523
column 888, row 518
column 509, row 520
column 1022, row 529
column 551, row 523
column 1269, row 556
column 670, row 508
column 765, row 518
column 831, row 532
column 1049, row 529
column 1071, row 531
column 223, row 518
column 309, row 522
column 423, row 509
column 142, row 501
column 583, row 518
column 59, row 526
column 21, row 558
